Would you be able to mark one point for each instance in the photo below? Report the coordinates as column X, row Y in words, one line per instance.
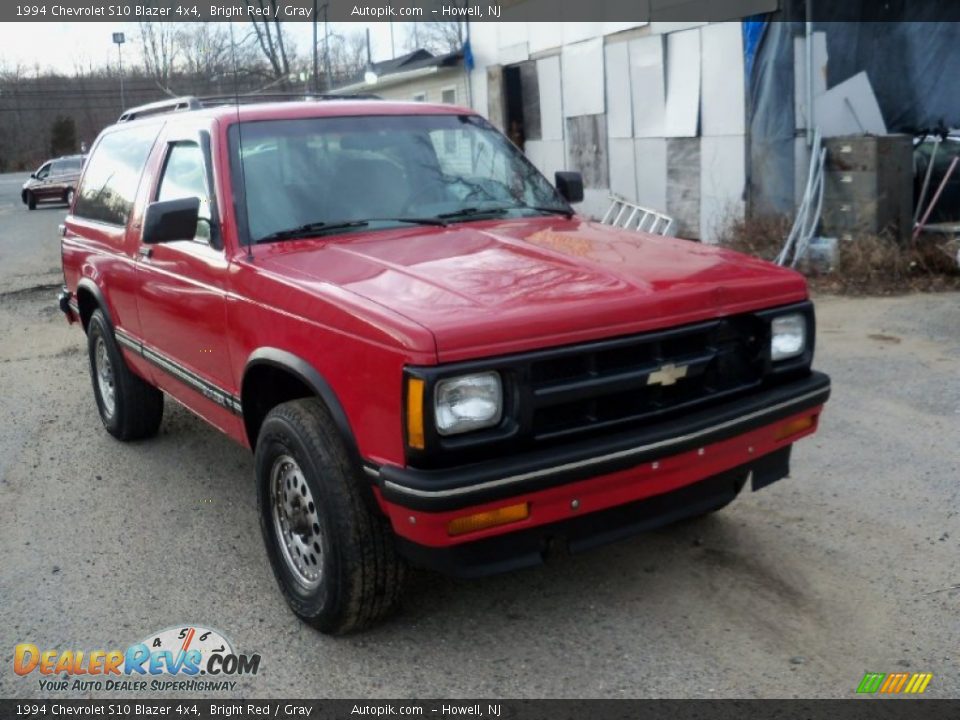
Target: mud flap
column 770, row 468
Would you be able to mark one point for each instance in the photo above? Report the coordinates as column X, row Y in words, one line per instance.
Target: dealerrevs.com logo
column 172, row 659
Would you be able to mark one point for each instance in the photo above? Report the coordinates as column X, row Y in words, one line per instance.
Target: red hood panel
column 496, row 287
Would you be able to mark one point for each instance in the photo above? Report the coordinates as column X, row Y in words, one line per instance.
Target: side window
column 184, row 176
column 56, row 168
column 43, row 172
column 113, row 175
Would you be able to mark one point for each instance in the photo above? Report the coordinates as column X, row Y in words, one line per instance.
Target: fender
column 307, row 374
column 89, row 285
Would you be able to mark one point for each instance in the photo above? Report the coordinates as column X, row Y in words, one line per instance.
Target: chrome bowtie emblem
column 667, row 375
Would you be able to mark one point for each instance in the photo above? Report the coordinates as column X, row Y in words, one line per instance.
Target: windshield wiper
column 472, row 212
column 310, row 229
column 322, row 228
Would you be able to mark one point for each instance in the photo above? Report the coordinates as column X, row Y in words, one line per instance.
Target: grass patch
column 866, row 264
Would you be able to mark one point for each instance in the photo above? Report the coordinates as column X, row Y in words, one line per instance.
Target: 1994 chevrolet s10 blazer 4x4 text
column 434, row 359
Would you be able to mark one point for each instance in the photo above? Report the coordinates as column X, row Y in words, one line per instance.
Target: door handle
column 145, row 251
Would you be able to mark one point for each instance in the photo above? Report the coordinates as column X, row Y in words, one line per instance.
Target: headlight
column 468, row 403
column 788, row 337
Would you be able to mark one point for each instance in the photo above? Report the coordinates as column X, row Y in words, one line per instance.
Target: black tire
column 137, row 406
column 360, row 577
column 31, row 201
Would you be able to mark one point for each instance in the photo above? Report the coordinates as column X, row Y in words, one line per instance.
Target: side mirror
column 171, row 220
column 33, row 176
column 570, row 185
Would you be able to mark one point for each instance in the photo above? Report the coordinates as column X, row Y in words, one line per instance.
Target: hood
column 494, row 287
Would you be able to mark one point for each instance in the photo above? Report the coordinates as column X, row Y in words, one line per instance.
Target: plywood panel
column 683, row 185
column 547, row 155
column 574, row 32
column 722, row 178
column 647, row 85
column 623, row 175
column 619, row 107
column 510, row 33
column 495, row 106
column 551, row 105
column 650, row 160
column 587, row 149
column 543, row 36
column 722, row 97
column 682, row 114
column 513, row 54
column 595, row 203
column 582, row 78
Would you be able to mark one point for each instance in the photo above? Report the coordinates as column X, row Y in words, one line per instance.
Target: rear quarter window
column 113, row 174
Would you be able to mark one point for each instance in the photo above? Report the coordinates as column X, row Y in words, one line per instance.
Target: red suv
column 435, row 360
column 54, row 181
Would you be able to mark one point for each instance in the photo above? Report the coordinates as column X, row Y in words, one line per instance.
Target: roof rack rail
column 157, row 108
column 213, row 100
column 190, row 102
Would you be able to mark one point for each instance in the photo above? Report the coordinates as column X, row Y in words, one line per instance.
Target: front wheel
column 129, row 407
column 31, row 201
column 68, row 197
column 331, row 551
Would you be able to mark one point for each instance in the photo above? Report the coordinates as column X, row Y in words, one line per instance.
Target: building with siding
column 654, row 111
column 420, row 76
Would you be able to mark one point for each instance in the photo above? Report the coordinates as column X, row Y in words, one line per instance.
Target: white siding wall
column 431, row 86
column 652, row 82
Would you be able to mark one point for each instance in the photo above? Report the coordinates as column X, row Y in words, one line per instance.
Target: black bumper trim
column 531, row 547
column 450, row 489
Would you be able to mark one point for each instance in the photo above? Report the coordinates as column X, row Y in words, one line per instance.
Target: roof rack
column 197, row 103
column 158, row 108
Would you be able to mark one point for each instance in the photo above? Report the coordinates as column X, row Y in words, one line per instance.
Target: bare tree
column 270, row 36
column 348, row 56
column 160, row 49
column 205, row 50
column 439, row 38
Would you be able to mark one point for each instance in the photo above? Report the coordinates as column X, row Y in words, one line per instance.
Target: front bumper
column 601, row 489
column 68, row 306
column 531, row 546
column 451, row 489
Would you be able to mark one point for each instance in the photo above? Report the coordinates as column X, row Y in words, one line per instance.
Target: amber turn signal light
column 794, row 427
column 489, row 519
column 415, row 413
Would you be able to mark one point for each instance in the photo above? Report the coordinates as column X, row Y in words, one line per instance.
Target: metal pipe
column 943, row 183
column 926, row 180
column 809, row 51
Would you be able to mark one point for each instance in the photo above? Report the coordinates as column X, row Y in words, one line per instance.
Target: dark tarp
column 913, row 65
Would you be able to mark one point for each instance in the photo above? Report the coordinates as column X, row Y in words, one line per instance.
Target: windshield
column 343, row 173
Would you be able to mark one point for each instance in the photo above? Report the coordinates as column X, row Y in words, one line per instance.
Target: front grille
column 607, row 385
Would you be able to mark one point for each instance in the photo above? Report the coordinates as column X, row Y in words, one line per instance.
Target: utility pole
column 119, row 39
column 316, row 78
column 326, row 46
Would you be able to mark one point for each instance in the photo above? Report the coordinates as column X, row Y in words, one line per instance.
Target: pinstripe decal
column 210, row 391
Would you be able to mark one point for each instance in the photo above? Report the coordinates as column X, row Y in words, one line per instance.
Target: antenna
column 243, row 176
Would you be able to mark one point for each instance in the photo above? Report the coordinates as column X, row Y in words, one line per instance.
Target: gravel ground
column 851, row 565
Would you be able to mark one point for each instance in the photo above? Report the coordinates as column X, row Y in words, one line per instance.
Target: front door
column 181, row 300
